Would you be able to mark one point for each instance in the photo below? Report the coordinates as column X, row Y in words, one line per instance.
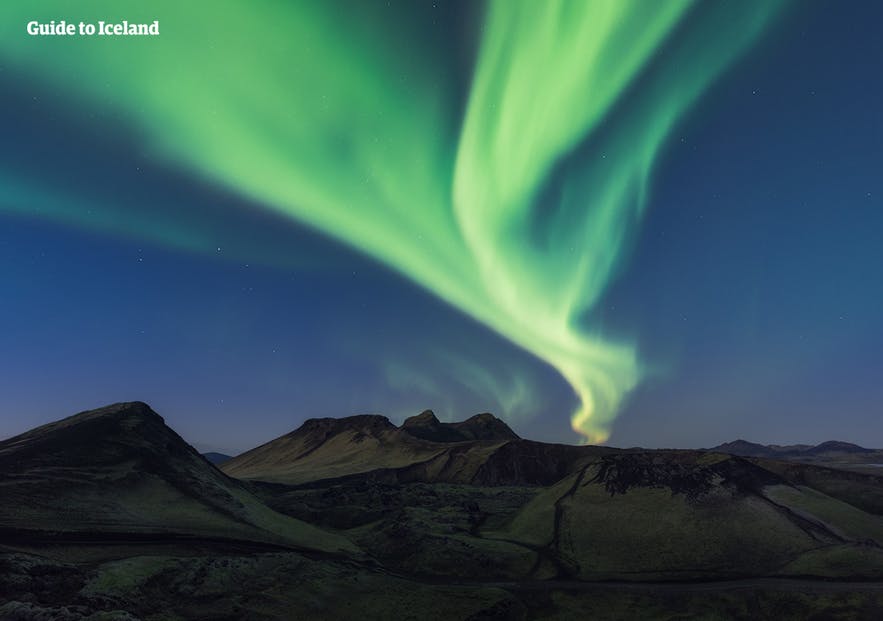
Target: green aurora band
column 514, row 206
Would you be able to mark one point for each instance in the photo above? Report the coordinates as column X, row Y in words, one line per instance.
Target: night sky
column 655, row 224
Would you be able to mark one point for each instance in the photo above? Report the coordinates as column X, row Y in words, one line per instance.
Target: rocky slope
column 422, row 449
column 111, row 515
column 324, row 448
column 485, row 428
column 120, row 471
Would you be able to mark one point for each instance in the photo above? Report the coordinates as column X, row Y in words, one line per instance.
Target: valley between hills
column 110, row 514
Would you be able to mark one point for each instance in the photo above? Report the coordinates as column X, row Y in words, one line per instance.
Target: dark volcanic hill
column 324, row 448
column 327, row 448
column 120, row 469
column 110, row 514
column 485, row 428
column 585, row 512
column 481, row 449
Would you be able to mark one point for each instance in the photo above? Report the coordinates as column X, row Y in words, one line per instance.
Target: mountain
column 325, row 448
column 832, row 446
column 684, row 514
column 427, row 427
column 419, row 499
column 831, row 453
column 111, row 514
column 533, row 511
column 120, row 470
column 216, row 458
column 789, row 448
column 744, row 448
column 484, row 428
column 421, row 449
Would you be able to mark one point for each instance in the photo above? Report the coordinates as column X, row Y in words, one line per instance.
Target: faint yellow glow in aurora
column 348, row 125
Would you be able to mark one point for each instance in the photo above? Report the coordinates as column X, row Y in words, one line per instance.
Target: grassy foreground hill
column 109, row 514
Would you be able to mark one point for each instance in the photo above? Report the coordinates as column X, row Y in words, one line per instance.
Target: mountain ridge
column 332, row 448
column 112, row 509
column 121, row 469
column 831, row 454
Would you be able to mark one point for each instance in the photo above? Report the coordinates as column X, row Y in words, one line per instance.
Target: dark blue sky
column 757, row 274
column 752, row 289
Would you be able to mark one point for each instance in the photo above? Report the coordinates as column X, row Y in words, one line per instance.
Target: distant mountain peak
column 839, row 447
column 426, row 417
column 484, row 416
column 741, row 442
column 359, row 421
column 217, row 458
column 484, row 427
column 744, row 448
column 426, row 426
column 335, row 447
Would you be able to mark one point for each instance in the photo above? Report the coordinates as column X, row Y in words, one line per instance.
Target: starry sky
column 646, row 224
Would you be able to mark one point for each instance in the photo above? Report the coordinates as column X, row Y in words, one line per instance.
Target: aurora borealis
column 503, row 162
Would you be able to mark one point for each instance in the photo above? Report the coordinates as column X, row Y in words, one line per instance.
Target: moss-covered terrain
column 111, row 515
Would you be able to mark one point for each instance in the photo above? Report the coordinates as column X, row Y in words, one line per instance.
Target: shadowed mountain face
column 573, row 512
column 120, row 469
column 325, row 448
column 355, row 518
column 421, row 449
column 485, row 428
